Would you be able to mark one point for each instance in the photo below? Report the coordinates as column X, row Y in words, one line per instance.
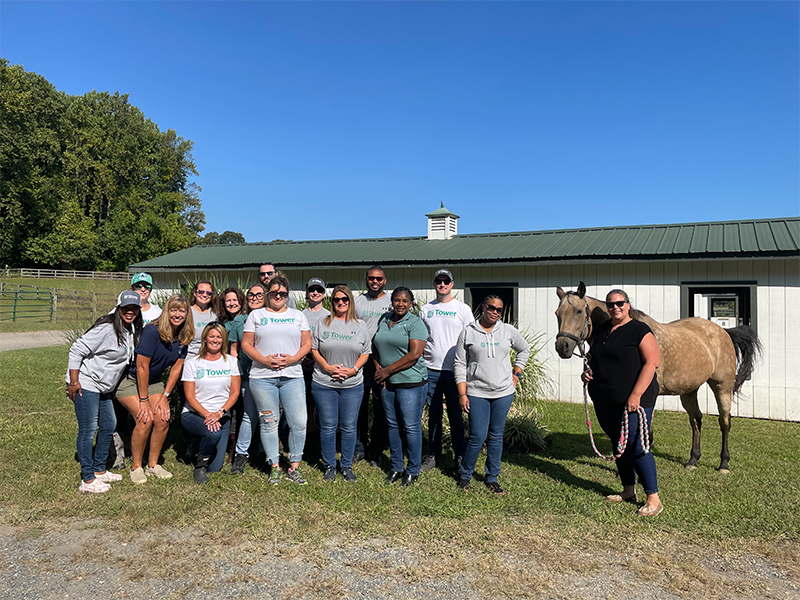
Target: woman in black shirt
column 624, row 356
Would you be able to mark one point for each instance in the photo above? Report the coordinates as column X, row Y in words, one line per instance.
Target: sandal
column 648, row 510
column 620, row 498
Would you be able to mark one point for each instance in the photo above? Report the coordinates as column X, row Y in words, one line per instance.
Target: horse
column 694, row 351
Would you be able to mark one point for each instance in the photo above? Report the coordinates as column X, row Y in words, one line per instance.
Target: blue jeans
column 442, row 385
column 487, row 419
column 271, row 396
column 337, row 409
column 371, row 441
column 403, row 408
column 211, row 443
column 633, row 461
column 95, row 413
column 249, row 420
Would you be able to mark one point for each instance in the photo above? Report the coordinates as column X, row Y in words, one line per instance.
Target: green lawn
column 554, row 499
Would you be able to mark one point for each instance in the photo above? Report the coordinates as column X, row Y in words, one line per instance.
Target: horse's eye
column 580, row 311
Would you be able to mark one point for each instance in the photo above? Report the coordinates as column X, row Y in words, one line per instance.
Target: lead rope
column 644, row 431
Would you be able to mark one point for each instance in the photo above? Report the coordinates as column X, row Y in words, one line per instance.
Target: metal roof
column 718, row 240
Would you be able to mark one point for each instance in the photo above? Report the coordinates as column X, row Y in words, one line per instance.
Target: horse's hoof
column 690, row 467
column 724, row 471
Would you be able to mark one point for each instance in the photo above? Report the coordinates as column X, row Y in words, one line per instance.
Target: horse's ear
column 581, row 290
column 560, row 293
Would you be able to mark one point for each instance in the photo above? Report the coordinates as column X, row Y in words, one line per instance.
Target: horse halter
column 585, row 332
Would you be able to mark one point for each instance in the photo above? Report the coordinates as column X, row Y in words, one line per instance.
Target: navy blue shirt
column 161, row 354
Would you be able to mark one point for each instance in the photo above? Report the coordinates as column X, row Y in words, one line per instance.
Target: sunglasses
column 342, row 300
column 618, row 304
column 203, row 293
column 316, row 290
column 443, row 282
column 278, row 295
column 263, row 274
column 496, row 309
column 142, row 286
column 258, row 296
column 370, row 278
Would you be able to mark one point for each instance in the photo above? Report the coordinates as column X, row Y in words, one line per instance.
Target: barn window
column 729, row 304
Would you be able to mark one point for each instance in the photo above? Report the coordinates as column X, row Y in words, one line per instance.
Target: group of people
column 280, row 369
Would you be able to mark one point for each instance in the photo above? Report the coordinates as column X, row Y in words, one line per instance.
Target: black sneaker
column 295, row 476
column 274, row 475
column 358, row 457
column 329, row 474
column 349, row 476
column 428, row 463
column 495, row 488
column 463, row 485
column 409, row 479
column 394, row 476
column 239, row 461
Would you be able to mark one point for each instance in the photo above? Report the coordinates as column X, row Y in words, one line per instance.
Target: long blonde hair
column 351, row 308
column 185, row 330
column 219, row 328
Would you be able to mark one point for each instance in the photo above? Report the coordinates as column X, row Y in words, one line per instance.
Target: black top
column 161, row 355
column 615, row 362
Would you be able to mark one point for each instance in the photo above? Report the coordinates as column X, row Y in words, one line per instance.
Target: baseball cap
column 443, row 272
column 315, row 281
column 129, row 297
column 140, row 277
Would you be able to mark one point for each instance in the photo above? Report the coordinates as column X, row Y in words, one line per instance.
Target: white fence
column 56, row 274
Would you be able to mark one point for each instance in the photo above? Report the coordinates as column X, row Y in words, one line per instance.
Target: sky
column 338, row 120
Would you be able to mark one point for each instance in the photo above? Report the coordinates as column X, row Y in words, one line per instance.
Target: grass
column 553, row 505
column 72, row 312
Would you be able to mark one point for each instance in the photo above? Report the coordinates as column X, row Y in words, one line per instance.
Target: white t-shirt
column 212, row 380
column 276, row 333
column 151, row 314
column 445, row 321
column 200, row 322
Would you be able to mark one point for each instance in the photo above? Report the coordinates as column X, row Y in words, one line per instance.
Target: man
column 445, row 319
column 370, row 307
column 266, row 272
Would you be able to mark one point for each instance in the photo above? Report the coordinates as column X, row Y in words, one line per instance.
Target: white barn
column 742, row 272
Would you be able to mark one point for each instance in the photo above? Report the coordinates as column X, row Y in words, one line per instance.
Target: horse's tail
column 748, row 349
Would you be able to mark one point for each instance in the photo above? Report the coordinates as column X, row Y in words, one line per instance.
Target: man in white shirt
column 370, row 306
column 445, row 319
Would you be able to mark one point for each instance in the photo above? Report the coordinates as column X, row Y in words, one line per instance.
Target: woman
column 211, row 384
column 142, row 283
column 163, row 344
column 205, row 310
column 97, row 361
column 277, row 338
column 624, row 356
column 486, row 381
column 341, row 347
column 233, row 305
column 400, row 370
column 255, row 300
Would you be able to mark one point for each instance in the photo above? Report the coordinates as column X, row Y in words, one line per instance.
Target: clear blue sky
column 349, row 120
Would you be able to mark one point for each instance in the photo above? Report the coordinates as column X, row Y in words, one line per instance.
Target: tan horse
column 694, row 351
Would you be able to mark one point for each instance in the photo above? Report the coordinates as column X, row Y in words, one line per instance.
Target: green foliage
column 88, row 182
column 222, row 239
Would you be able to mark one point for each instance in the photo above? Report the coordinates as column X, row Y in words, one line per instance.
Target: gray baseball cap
column 443, row 272
column 315, row 281
column 128, row 298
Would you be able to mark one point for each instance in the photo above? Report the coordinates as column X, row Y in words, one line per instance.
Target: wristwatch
column 223, row 412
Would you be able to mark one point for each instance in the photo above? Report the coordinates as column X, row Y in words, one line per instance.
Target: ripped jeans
column 276, row 394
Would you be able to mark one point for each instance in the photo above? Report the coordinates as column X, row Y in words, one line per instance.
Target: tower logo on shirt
column 430, row 313
column 200, row 373
column 325, row 335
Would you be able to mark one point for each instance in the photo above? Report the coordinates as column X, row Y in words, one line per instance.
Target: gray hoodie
column 483, row 359
column 99, row 359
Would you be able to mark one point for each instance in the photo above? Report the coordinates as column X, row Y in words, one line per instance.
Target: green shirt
column 393, row 343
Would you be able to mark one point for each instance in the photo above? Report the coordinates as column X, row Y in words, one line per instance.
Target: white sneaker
column 94, row 487
column 159, row 471
column 108, row 477
column 138, row 476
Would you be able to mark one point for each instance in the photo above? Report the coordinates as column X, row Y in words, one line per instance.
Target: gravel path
column 31, row 339
column 79, row 559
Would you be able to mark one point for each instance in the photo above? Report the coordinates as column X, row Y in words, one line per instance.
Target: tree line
column 88, row 182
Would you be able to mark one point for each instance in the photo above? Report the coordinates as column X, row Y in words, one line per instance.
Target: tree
column 223, row 239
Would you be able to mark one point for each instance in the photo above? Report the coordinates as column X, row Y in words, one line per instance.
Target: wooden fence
column 56, row 274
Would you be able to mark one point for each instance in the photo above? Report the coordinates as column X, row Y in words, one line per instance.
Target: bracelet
column 76, row 383
column 143, row 399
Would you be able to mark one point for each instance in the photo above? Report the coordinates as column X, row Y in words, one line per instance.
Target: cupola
column 442, row 224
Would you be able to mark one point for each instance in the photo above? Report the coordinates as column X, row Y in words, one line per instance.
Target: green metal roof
column 442, row 212
column 723, row 240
